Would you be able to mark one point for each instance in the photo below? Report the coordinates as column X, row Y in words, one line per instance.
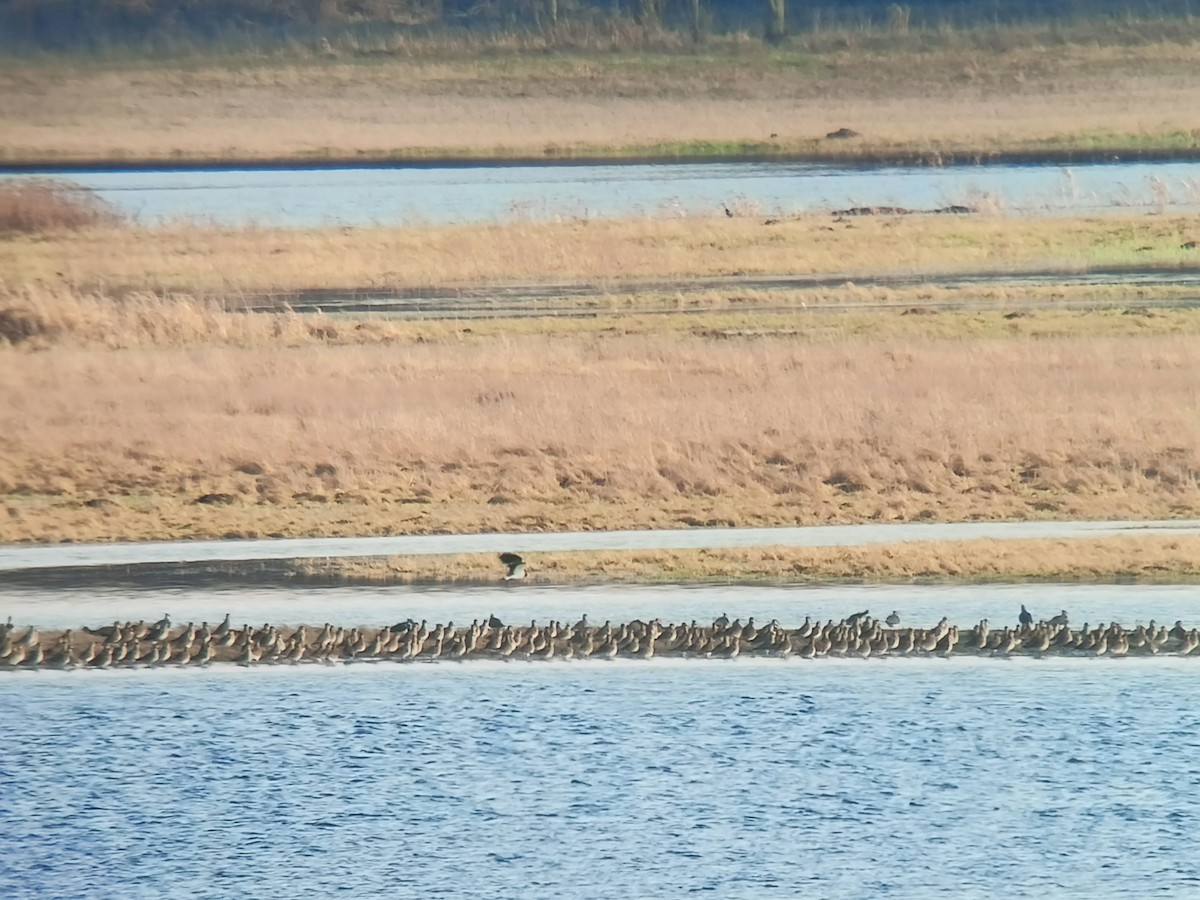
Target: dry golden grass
column 1014, row 92
column 593, row 428
column 1142, row 557
column 39, row 319
column 231, row 263
column 40, row 205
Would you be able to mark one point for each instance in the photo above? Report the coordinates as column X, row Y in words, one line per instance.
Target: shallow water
column 366, row 196
column 838, row 779
column 917, row 605
column 15, row 557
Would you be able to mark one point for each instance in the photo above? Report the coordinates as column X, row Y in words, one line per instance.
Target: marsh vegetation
column 143, row 401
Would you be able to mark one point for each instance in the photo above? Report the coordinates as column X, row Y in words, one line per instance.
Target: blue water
column 361, row 197
column 895, row 778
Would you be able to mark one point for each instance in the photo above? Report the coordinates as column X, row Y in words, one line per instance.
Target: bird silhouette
column 1026, row 617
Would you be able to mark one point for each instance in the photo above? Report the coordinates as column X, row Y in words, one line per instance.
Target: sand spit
column 129, row 645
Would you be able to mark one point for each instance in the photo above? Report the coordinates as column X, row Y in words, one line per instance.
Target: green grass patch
column 1065, row 149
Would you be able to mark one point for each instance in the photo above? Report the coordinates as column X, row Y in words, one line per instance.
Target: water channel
column 300, row 198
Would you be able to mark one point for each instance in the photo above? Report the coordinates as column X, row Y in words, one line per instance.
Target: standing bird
column 1060, row 619
column 516, row 566
column 1026, row 617
column 893, row 620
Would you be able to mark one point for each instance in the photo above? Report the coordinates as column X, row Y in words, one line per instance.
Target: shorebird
column 893, row 620
column 161, row 629
column 108, row 632
column 1060, row 619
column 1026, row 617
column 516, row 566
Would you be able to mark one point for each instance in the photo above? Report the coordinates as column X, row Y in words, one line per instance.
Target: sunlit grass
column 233, row 262
column 310, row 426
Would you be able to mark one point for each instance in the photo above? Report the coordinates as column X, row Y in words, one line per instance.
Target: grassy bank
column 238, row 262
column 932, row 95
column 1095, row 146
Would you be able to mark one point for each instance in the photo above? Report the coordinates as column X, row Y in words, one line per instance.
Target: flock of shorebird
column 140, row 644
column 129, row 644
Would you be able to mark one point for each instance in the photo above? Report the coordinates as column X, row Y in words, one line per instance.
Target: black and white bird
column 516, row 566
column 1026, row 617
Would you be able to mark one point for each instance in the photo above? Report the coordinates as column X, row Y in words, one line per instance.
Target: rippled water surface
column 900, row 778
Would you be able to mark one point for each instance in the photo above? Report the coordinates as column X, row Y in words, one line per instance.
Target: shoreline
column 434, row 158
column 1151, row 558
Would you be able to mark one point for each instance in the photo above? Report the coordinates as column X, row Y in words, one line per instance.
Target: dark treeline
column 92, row 25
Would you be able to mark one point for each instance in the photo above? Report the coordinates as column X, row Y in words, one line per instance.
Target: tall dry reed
column 41, row 205
column 927, row 424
